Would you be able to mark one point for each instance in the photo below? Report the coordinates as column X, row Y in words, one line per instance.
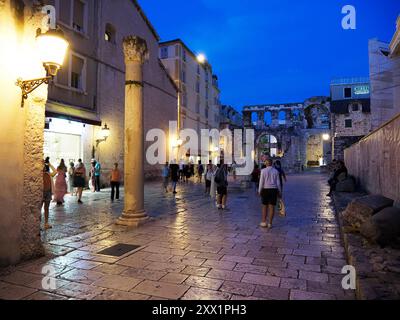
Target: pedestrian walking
column 48, row 187
column 221, row 180
column 97, row 176
column 60, row 186
column 181, row 165
column 92, row 179
column 71, row 172
column 174, row 173
column 255, row 177
column 115, row 182
column 213, row 188
column 80, row 179
column 165, row 175
column 269, row 190
column 234, row 168
column 209, row 177
column 282, row 180
column 200, row 172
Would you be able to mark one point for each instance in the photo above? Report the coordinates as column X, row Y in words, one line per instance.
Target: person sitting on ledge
column 334, row 180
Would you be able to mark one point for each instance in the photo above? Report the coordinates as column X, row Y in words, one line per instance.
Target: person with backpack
column 221, row 180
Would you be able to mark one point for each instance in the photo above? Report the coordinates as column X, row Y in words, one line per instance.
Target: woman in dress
column 60, row 186
column 80, row 179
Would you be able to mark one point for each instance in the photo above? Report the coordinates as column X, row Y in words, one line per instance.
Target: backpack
column 220, row 177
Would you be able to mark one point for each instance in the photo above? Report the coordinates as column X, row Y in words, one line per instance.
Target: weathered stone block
column 382, row 228
column 361, row 209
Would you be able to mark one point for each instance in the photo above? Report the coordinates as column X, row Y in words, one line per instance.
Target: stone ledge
column 378, row 269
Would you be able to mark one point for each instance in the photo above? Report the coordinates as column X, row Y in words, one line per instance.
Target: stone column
column 136, row 53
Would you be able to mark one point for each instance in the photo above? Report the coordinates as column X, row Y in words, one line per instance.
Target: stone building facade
column 296, row 133
column 89, row 91
column 199, row 98
column 21, row 134
column 350, row 113
column 384, row 63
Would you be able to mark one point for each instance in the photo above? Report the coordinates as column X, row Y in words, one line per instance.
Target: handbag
column 281, row 208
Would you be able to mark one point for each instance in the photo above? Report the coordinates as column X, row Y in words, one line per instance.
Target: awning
column 67, row 112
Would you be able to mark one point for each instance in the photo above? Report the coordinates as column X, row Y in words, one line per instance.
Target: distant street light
column 201, row 58
column 326, row 137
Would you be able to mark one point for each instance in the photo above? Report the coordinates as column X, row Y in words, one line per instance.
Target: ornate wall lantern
column 52, row 48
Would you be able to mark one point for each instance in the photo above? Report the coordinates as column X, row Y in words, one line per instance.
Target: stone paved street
column 190, row 250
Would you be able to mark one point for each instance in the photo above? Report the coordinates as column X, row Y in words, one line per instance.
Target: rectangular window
column 347, row 93
column 206, row 113
column 78, row 21
column 177, row 50
column 65, row 11
column 77, row 72
column 198, row 87
column 184, row 54
column 348, row 123
column 164, row 52
column 355, row 107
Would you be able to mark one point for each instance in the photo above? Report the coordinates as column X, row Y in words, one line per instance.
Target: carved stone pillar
column 136, row 53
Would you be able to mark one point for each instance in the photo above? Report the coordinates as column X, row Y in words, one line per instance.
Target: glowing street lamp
column 52, row 48
column 326, row 137
column 201, row 58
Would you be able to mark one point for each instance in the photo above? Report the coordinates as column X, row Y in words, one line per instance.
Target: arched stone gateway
column 296, row 133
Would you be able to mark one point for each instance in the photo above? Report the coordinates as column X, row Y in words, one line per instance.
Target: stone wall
column 21, row 137
column 341, row 143
column 375, row 161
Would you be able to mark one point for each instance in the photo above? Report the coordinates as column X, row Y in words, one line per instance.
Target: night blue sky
column 275, row 51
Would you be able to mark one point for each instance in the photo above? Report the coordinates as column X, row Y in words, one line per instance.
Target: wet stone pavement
column 190, row 250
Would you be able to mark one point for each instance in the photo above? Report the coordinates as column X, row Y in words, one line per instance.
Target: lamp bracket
column 98, row 141
column 27, row 86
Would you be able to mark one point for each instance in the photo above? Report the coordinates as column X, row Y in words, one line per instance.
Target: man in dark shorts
column 174, row 172
column 269, row 190
column 221, row 180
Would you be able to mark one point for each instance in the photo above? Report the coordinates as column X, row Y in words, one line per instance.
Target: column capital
column 135, row 49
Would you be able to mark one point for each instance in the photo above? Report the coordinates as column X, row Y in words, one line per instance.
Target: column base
column 132, row 219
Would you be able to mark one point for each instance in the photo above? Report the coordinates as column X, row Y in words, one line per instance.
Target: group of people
column 216, row 179
column 57, row 182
